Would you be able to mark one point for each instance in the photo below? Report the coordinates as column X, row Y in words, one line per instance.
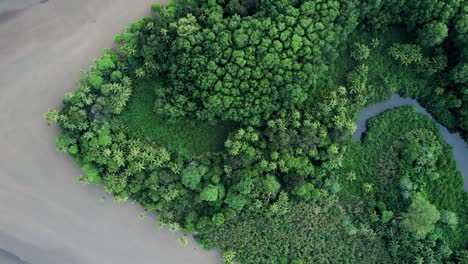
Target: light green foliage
column 387, row 216
column 218, row 219
column 432, row 34
column 183, row 241
column 297, row 261
column 351, row 176
column 271, row 184
column 64, row 142
column 91, row 174
column 105, row 63
column 186, row 26
column 449, row 218
column 209, row 193
column 360, row 52
column 367, row 187
column 421, row 217
column 229, row 256
column 95, row 80
column 116, row 76
column 235, row 201
column 406, row 54
column 52, row 116
column 192, row 175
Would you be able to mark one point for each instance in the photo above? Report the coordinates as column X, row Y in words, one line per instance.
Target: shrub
column 432, row 34
column 406, row 54
column 360, row 52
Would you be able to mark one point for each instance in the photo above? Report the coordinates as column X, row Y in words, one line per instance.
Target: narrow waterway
column 460, row 147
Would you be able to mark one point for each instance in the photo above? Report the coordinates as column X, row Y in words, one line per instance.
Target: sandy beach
column 46, row 216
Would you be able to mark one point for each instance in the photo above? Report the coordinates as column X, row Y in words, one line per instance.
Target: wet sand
column 9, row 258
column 14, row 5
column 46, row 216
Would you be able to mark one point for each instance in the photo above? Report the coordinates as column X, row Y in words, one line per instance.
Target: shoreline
column 459, row 146
column 46, row 216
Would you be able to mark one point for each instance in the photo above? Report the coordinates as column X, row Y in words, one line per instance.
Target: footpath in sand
column 46, row 217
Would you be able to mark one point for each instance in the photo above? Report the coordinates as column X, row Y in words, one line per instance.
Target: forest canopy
column 232, row 120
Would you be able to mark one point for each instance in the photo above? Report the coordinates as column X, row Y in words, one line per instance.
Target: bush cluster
column 288, row 77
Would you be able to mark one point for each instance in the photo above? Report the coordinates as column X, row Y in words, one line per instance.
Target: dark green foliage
column 379, row 14
column 308, row 233
column 244, row 69
column 232, row 119
column 239, row 7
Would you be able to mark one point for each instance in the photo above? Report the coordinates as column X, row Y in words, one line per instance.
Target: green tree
column 406, row 54
column 421, row 217
column 297, row 261
column 91, row 174
column 235, row 201
column 105, row 63
column 209, row 193
column 95, row 80
column 360, row 52
column 271, row 184
column 386, row 216
column 229, row 256
column 191, row 176
column 52, row 116
column 449, row 218
column 432, row 34
column 459, row 74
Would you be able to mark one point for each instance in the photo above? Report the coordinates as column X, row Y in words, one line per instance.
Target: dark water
column 460, row 148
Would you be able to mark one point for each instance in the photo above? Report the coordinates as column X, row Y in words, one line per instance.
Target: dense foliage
column 232, row 119
column 408, row 182
column 296, row 234
column 245, row 69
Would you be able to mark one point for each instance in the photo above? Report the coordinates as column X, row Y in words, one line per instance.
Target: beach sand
column 46, row 216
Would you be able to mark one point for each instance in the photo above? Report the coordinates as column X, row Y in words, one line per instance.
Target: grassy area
column 386, row 76
column 189, row 138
